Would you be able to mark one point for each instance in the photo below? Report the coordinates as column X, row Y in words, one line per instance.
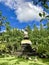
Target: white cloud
column 25, row 11
column 28, row 12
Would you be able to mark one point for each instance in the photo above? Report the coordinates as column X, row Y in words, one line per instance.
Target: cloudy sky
column 21, row 13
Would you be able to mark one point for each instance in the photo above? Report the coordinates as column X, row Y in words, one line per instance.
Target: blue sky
column 21, row 13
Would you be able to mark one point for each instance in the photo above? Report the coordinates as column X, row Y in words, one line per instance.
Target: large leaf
column 41, row 19
column 40, row 14
column 43, row 14
column 47, row 17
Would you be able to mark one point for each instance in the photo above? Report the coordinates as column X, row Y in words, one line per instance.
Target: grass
column 20, row 61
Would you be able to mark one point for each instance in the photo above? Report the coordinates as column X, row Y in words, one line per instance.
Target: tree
column 2, row 19
column 41, row 30
column 44, row 3
column 35, row 31
column 48, row 28
column 7, row 25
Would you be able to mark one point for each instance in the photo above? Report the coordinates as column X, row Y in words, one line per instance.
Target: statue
column 26, row 44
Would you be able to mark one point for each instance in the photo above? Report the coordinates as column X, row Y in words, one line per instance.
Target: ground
column 20, row 61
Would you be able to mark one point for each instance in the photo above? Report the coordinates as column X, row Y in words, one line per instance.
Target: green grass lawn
column 20, row 61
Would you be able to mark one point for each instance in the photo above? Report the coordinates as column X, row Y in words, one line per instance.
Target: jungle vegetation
column 10, row 40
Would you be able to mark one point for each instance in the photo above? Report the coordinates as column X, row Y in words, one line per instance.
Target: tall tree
column 2, row 19
column 48, row 28
column 8, row 27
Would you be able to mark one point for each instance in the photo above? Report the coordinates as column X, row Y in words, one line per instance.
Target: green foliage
column 46, row 6
column 10, row 41
column 2, row 20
